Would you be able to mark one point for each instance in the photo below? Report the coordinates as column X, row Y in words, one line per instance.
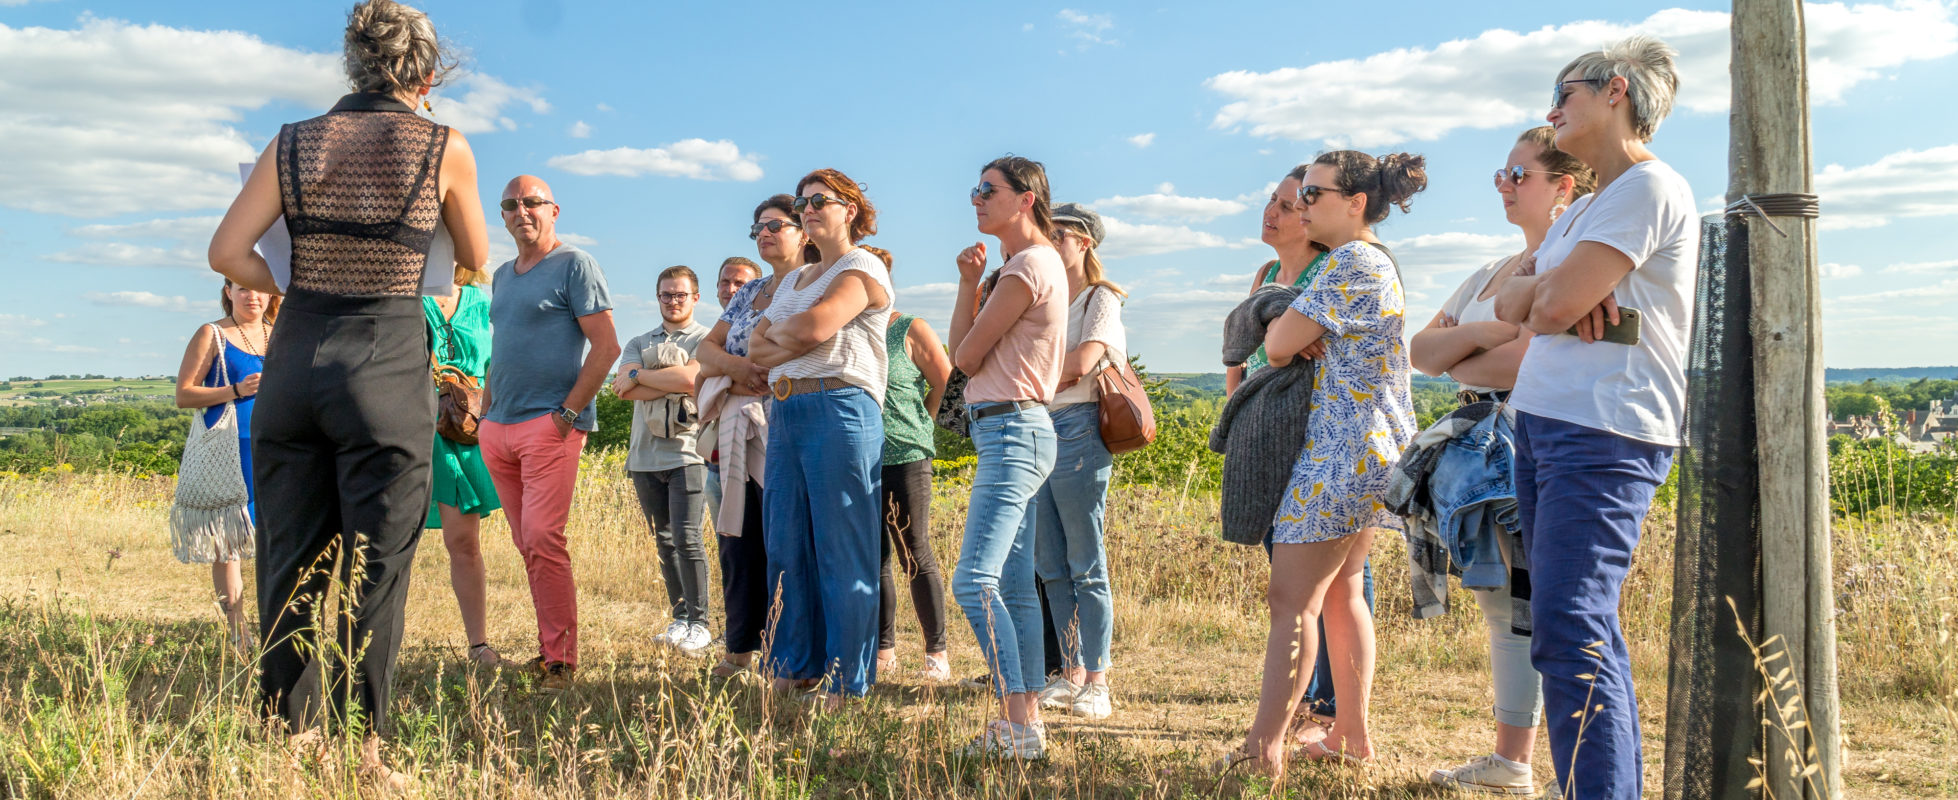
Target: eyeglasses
column 816, row 201
column 985, row 190
column 674, row 297
column 775, row 225
column 1558, row 92
column 1309, row 194
column 1514, row 173
column 510, row 203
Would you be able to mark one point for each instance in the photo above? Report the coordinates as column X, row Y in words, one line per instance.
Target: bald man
column 549, row 303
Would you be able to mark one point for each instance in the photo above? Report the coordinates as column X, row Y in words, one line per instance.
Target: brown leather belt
column 995, row 409
column 785, row 388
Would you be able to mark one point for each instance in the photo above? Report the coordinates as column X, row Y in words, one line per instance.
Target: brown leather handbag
column 458, row 403
column 1127, row 420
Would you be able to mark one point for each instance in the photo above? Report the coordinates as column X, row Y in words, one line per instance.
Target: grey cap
column 1083, row 216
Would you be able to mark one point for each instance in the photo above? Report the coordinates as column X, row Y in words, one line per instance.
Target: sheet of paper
column 438, row 279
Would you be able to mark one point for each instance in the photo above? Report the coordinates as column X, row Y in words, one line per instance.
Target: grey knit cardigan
column 1275, row 404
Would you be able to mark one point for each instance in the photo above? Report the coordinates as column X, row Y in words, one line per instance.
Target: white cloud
column 1941, row 292
column 578, row 239
column 14, row 323
column 1241, row 280
column 579, row 130
column 178, row 242
column 151, row 300
column 691, row 158
column 146, row 117
column 1430, row 256
column 1923, row 267
column 604, row 107
column 926, row 291
column 1143, row 140
column 1500, row 78
column 479, row 101
column 124, row 254
column 1910, row 183
column 1129, row 239
column 1840, row 270
column 1165, row 204
column 47, row 345
column 1088, row 29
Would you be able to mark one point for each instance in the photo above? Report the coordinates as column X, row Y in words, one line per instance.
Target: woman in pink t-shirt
column 1011, row 346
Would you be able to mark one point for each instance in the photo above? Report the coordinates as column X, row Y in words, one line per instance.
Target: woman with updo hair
column 1350, row 318
column 822, row 339
column 345, row 421
column 1597, row 419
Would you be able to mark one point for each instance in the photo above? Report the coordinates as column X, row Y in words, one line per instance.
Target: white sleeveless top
column 1467, row 306
column 856, row 354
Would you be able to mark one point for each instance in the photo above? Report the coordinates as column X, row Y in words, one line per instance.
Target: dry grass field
column 114, row 681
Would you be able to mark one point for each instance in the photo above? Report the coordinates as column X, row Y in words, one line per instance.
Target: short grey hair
column 391, row 48
column 1651, row 81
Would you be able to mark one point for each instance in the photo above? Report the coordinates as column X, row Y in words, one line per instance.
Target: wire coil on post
column 1781, row 204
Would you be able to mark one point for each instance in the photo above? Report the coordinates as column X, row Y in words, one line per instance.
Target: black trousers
column 744, row 577
column 673, row 502
column 907, row 533
column 343, row 432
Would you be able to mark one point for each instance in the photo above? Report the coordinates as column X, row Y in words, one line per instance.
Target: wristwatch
column 570, row 417
column 632, row 375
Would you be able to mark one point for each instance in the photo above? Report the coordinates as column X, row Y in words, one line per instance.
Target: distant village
column 1929, row 430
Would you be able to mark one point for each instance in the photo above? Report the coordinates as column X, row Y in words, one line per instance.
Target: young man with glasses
column 551, row 301
column 657, row 371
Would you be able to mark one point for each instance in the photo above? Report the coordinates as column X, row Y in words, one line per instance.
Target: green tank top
column 1258, row 361
column 907, row 426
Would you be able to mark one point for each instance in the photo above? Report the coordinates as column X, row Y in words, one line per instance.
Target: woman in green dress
column 460, row 334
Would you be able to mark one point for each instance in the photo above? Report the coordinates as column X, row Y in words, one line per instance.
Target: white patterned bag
column 209, row 519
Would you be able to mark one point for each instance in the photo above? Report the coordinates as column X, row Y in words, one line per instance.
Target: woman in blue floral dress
column 1351, row 319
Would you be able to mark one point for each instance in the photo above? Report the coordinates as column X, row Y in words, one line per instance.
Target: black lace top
column 359, row 190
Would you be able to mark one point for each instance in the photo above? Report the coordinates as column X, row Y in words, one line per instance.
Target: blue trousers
column 1320, row 698
column 825, row 474
column 1068, row 554
column 994, row 582
column 1583, row 494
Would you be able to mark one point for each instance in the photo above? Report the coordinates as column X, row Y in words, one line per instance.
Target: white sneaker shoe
column 1093, row 702
column 676, row 632
column 1006, row 739
column 936, row 669
column 1059, row 693
column 1487, row 774
column 696, row 640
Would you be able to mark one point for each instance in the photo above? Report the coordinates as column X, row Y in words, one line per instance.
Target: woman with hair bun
column 1596, row 420
column 1350, row 318
column 822, row 338
column 346, row 418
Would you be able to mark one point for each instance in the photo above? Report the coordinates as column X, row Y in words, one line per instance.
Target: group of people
column 804, row 419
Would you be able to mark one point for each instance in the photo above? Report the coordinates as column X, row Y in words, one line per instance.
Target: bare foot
column 1307, row 729
column 391, row 781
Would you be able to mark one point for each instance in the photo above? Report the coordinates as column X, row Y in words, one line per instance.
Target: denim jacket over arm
column 1456, row 486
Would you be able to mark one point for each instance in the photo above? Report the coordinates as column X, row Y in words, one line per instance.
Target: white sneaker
column 1489, row 775
column 936, row 669
column 676, row 632
column 1059, row 693
column 695, row 641
column 1093, row 702
column 1006, row 739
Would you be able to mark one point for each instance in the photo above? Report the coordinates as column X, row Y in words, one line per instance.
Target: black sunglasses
column 1559, row 93
column 1309, row 194
column 773, row 226
column 815, row 201
column 1515, row 173
column 510, row 203
column 985, row 190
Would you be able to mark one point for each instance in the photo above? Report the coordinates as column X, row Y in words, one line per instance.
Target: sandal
column 1318, row 751
column 1309, row 728
column 483, row 654
column 727, row 669
column 1238, row 757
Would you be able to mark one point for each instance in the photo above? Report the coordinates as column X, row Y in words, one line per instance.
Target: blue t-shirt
column 536, row 346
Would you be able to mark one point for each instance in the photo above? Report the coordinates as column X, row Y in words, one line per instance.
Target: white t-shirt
column 1636, row 391
column 856, row 353
column 1094, row 316
column 1465, row 306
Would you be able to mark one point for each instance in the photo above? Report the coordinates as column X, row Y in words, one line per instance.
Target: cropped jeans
column 1068, row 554
column 994, row 582
column 825, row 475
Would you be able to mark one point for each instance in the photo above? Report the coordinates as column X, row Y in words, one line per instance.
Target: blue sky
column 660, row 128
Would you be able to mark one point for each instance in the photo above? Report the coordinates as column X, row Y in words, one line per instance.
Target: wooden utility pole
column 1770, row 155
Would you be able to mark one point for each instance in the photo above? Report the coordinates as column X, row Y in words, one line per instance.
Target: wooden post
column 1770, row 154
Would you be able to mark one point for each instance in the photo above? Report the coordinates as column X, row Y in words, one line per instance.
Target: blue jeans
column 1068, row 551
column 1583, row 493
column 1320, row 699
column 825, row 473
column 994, row 580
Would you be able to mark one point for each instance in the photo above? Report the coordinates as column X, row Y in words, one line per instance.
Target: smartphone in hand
column 1625, row 332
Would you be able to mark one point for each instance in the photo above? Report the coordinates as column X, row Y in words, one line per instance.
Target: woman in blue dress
column 242, row 335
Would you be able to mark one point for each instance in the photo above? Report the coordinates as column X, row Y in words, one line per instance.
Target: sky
column 661, row 127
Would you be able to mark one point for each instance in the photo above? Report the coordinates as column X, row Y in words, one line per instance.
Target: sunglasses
column 774, row 225
column 985, row 190
column 510, row 203
column 1559, row 91
column 816, row 201
column 1515, row 174
column 1309, row 194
